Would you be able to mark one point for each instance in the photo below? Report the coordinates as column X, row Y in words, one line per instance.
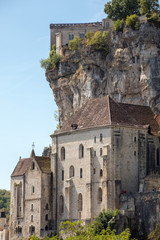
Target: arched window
column 32, row 189
column 61, row 204
column 31, row 207
column 101, row 172
column 46, row 217
column 81, row 151
column 99, row 195
column 80, row 202
column 62, row 153
column 46, row 228
column 101, row 137
column 33, row 166
column 46, row 206
column 71, row 171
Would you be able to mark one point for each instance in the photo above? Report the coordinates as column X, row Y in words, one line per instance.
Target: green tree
column 52, row 61
column 148, row 6
column 120, row 9
column 119, row 25
column 132, row 21
column 75, row 43
column 5, row 201
column 98, row 41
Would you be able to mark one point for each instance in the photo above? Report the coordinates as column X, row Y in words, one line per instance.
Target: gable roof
column 104, row 111
column 24, row 164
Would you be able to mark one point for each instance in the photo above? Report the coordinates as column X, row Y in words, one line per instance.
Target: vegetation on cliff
column 52, row 61
column 5, row 201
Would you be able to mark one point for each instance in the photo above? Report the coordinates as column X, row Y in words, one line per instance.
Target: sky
column 26, row 101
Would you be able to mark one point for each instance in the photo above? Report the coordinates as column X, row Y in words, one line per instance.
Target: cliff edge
column 130, row 73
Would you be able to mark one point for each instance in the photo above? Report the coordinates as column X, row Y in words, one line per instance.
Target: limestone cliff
column 130, row 73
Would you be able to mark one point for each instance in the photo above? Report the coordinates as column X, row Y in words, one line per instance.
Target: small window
column 62, row 154
column 46, row 228
column 71, row 171
column 94, row 153
column 31, row 218
column 46, row 217
column 135, row 139
column 99, row 195
column 101, row 152
column 81, row 173
column 81, row 151
column 61, row 204
column 80, row 202
column 94, row 171
column 82, row 35
column 134, row 153
column 71, row 36
column 94, row 139
column 31, row 207
column 101, row 173
column 107, row 24
column 32, row 189
column 32, row 229
column 47, row 206
column 101, row 137
column 33, row 166
column 62, row 175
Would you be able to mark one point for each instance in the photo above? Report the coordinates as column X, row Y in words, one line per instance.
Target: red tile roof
column 104, row 111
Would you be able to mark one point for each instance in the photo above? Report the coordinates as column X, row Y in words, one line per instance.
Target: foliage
column 148, row 6
column 105, row 219
column 132, row 21
column 52, row 61
column 154, row 18
column 155, row 235
column 89, row 36
column 120, row 9
column 34, row 237
column 75, row 43
column 98, row 41
column 118, row 25
column 5, row 201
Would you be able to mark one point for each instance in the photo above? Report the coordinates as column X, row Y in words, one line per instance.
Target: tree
column 148, row 6
column 132, row 21
column 120, row 9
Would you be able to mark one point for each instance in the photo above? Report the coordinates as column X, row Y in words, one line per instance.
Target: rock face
column 130, row 73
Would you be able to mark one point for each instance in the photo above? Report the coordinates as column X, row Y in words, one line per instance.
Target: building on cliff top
column 103, row 150
column 61, row 34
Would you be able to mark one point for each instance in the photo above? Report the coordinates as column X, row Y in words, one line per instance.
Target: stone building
column 103, row 150
column 31, row 194
column 61, row 34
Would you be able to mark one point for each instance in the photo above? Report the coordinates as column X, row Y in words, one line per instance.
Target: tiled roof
column 104, row 111
column 23, row 165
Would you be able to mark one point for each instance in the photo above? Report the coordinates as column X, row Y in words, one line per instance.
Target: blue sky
column 26, row 101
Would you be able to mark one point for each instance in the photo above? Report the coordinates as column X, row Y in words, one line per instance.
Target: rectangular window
column 101, row 152
column 94, row 153
column 81, row 173
column 31, row 218
column 94, row 139
column 82, row 35
column 62, row 175
column 101, row 137
column 71, row 36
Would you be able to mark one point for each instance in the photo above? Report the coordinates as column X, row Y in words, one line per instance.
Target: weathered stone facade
column 61, row 34
column 31, row 206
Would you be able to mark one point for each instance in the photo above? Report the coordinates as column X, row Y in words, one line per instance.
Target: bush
column 132, row 21
column 119, row 25
column 75, row 43
column 98, row 41
column 155, row 18
column 52, row 61
column 105, row 219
